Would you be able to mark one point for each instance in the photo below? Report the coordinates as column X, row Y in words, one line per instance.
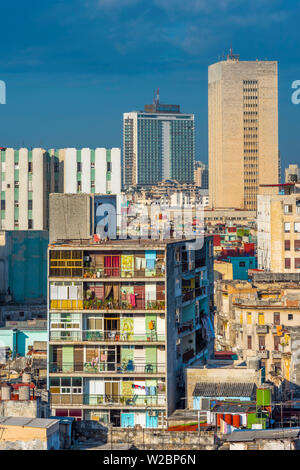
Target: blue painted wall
column 19, row 340
column 240, row 266
column 27, row 265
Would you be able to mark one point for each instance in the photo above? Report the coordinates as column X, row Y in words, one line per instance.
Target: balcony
column 200, row 263
column 108, row 304
column 263, row 329
column 188, row 355
column 127, row 367
column 112, row 400
column 187, row 326
column 276, row 354
column 263, row 354
column 107, row 273
column 107, row 336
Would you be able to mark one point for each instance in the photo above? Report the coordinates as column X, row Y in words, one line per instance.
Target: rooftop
column 232, row 389
column 251, row 435
column 28, row 422
column 140, row 243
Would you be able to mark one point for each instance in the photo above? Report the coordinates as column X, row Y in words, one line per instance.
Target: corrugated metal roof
column 253, row 434
column 232, row 389
column 28, row 422
column 234, row 408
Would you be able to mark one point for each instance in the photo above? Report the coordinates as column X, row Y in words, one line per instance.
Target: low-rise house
column 265, row 439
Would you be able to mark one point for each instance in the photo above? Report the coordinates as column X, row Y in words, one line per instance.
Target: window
column 249, row 342
column 242, row 264
column 30, row 223
column 297, row 227
column 16, row 203
column 261, row 343
column 78, row 167
column 261, row 319
column 287, row 245
column 78, row 185
column 249, row 319
column 297, row 263
column 290, row 316
column 276, row 318
column 16, row 184
column 30, row 204
column 29, row 167
column 276, row 343
column 2, row 204
column 297, row 245
column 288, row 209
column 287, row 263
column 287, row 227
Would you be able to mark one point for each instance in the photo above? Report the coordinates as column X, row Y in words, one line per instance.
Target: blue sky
column 73, row 67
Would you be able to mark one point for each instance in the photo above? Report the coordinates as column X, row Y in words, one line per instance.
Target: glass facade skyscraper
column 158, row 145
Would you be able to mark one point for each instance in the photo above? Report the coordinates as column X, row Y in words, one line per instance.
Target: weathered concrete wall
column 24, row 409
column 70, row 216
column 272, row 444
column 35, row 444
column 159, row 440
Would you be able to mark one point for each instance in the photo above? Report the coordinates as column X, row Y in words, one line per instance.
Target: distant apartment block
column 158, row 144
column 27, row 177
column 201, row 175
column 242, row 131
column 278, row 230
column 92, row 171
column 292, row 174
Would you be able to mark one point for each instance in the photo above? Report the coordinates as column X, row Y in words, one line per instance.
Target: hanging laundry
column 132, row 300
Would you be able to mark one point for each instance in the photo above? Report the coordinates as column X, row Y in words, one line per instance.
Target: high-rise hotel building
column 243, row 131
column 158, row 144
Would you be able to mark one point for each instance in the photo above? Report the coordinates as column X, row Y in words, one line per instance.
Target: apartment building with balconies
column 261, row 319
column 125, row 317
column 278, row 229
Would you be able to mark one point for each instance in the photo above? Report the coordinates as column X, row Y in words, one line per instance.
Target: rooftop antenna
column 156, row 98
column 232, row 56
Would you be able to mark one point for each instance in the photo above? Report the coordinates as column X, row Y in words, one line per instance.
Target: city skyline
column 113, row 70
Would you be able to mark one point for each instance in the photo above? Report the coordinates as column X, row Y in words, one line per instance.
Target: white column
column 23, row 189
column 70, row 172
column 10, row 190
column 100, row 170
column 115, row 171
column 86, row 170
column 38, row 188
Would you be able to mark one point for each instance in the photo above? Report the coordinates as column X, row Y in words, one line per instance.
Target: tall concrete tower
column 242, row 131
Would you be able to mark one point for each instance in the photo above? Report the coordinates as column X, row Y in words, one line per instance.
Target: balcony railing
column 140, row 304
column 119, row 400
column 276, row 354
column 186, row 326
column 128, row 367
column 263, row 353
column 188, row 355
column 103, row 273
column 262, row 329
column 97, row 304
column 113, row 336
column 193, row 293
